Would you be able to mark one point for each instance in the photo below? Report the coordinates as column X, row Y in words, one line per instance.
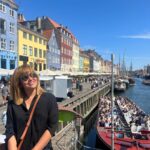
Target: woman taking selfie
column 26, row 92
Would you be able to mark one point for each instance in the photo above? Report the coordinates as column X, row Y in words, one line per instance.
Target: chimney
column 38, row 22
column 21, row 18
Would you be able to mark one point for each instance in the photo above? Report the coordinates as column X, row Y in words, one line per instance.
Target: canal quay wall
column 83, row 103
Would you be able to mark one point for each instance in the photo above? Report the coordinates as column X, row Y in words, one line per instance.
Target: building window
column 44, row 42
column 12, row 45
column 24, row 49
column 35, row 39
column 40, row 53
column 12, row 64
column 3, row 63
column 30, row 37
column 24, row 35
column 3, row 44
column 35, row 52
column 2, row 7
column 44, row 54
column 35, row 66
column 40, row 67
column 40, row 40
column 30, row 51
column 11, row 12
column 44, row 66
column 12, row 27
column 2, row 26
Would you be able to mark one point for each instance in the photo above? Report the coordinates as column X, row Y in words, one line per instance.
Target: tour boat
column 125, row 137
column 146, row 81
column 120, row 85
column 131, row 81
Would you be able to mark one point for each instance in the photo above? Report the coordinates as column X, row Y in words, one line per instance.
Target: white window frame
column 2, row 26
column 24, row 49
column 2, row 7
column 25, row 35
column 11, row 12
column 12, row 27
column 35, row 52
column 12, row 45
column 30, row 50
column 3, row 44
column 30, row 37
column 40, row 53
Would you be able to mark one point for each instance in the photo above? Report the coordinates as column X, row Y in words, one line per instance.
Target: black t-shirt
column 45, row 117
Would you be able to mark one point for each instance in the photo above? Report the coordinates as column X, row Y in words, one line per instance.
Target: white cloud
column 138, row 36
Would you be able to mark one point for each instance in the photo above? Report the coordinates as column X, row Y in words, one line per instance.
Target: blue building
column 8, row 34
column 53, row 52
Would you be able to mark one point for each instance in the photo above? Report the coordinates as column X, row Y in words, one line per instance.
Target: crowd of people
column 105, row 114
column 135, row 117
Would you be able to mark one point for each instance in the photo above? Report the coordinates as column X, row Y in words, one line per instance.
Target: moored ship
column 120, row 85
column 131, row 125
column 146, row 82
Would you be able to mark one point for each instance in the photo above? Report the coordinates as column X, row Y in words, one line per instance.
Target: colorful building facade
column 32, row 47
column 53, row 52
column 75, row 56
column 8, row 34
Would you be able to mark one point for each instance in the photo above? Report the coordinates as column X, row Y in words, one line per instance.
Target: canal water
column 138, row 93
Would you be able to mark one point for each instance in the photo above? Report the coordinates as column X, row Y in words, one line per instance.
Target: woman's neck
column 30, row 94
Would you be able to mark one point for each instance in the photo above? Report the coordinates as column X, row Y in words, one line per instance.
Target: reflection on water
column 140, row 94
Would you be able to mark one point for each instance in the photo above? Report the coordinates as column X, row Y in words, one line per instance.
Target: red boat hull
column 126, row 143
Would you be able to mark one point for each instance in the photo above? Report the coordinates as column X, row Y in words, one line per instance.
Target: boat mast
column 112, row 102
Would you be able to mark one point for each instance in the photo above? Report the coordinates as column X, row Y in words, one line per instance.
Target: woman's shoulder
column 11, row 102
column 48, row 96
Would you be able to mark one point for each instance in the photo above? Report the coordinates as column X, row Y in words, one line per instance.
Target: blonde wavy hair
column 16, row 89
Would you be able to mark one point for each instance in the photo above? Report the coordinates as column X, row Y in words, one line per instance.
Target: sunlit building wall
column 32, row 48
column 86, row 63
column 75, row 56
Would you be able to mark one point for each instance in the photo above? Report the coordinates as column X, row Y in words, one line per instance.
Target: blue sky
column 121, row 27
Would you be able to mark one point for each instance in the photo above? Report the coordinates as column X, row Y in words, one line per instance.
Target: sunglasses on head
column 25, row 77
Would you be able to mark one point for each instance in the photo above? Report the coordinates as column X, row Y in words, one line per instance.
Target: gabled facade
column 75, row 56
column 8, row 34
column 53, row 52
column 86, row 62
column 81, row 61
column 32, row 47
column 92, row 57
column 63, row 38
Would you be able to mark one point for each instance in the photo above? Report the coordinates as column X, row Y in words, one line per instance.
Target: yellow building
column 32, row 48
column 86, row 63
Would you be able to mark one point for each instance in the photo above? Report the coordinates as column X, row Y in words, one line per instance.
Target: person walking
column 25, row 91
column 5, row 92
